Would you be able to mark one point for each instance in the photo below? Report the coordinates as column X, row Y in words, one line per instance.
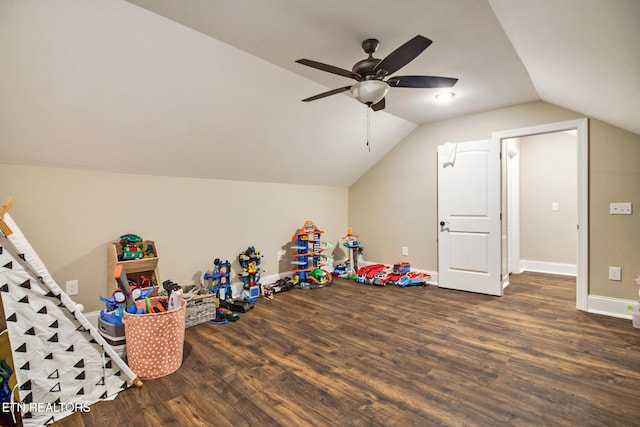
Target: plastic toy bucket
column 155, row 342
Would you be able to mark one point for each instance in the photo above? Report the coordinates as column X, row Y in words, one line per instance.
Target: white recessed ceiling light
column 444, row 96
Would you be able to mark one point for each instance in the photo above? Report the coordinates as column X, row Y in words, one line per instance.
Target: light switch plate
column 620, row 209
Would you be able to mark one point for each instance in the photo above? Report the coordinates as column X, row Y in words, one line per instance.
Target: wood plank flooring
column 357, row 355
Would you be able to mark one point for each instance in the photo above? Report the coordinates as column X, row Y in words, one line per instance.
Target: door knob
column 442, row 223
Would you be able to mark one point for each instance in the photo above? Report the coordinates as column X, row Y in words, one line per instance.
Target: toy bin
column 200, row 309
column 155, row 342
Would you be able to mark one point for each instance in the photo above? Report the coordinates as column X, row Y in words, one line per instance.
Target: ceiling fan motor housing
column 366, row 66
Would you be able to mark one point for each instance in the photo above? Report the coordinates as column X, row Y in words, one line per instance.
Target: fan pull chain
column 368, row 126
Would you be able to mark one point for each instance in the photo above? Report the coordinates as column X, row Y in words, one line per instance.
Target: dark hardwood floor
column 357, row 355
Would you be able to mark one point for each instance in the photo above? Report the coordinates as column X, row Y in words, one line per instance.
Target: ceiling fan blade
column 421, row 81
column 328, row 93
column 403, row 55
column 329, row 68
column 378, row 105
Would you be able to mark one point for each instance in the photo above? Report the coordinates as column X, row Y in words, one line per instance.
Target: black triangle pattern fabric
column 61, row 357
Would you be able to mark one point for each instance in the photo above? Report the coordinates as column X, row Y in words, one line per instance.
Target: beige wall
column 548, row 174
column 614, row 176
column 70, row 216
column 394, row 203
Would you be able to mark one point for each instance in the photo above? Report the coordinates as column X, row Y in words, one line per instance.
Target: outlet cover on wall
column 615, row 273
column 405, row 251
column 72, row 287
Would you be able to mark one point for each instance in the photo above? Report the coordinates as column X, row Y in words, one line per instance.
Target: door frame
column 581, row 127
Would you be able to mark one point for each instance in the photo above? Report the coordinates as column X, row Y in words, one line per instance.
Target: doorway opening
column 510, row 254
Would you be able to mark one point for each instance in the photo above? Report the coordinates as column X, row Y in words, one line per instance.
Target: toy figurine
column 149, row 252
column 130, row 248
column 250, row 262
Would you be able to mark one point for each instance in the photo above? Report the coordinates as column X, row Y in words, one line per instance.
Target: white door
column 469, row 217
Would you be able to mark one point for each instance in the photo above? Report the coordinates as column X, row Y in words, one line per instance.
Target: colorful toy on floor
column 220, row 276
column 380, row 278
column 250, row 261
column 413, row 278
column 399, row 269
column 220, row 285
column 366, row 273
column 349, row 269
column 283, row 285
column 309, row 257
column 225, row 303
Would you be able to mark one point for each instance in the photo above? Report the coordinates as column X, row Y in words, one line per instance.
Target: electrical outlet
column 280, row 255
column 615, row 273
column 555, row 206
column 72, row 287
column 405, row 251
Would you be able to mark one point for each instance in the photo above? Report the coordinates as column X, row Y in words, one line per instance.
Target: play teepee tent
column 61, row 362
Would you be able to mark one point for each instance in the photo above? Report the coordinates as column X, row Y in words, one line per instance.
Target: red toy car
column 366, row 273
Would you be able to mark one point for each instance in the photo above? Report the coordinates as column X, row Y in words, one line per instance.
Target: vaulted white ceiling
column 209, row 88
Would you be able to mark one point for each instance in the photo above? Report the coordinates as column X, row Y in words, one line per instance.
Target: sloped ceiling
column 583, row 55
column 209, row 88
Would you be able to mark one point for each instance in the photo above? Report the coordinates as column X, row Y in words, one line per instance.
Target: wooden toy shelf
column 134, row 268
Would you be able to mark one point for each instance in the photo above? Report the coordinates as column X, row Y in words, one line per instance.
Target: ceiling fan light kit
column 369, row 91
column 445, row 96
column 370, row 73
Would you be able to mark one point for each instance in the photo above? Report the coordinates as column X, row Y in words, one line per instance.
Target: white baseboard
column 608, row 306
column 548, row 267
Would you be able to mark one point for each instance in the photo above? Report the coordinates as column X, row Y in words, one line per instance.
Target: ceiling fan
column 370, row 73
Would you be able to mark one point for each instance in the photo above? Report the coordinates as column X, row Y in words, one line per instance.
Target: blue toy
column 123, row 299
column 5, row 374
column 220, row 276
column 309, row 257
